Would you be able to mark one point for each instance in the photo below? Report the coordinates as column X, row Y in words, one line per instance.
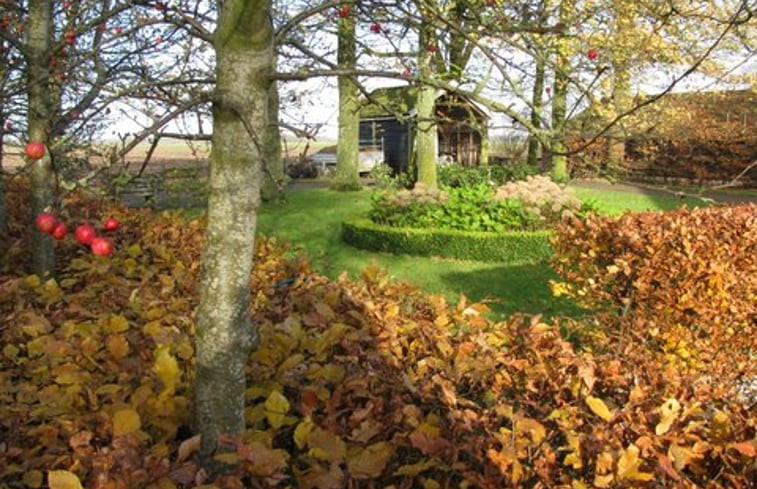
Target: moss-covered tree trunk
column 624, row 17
column 560, row 103
column 225, row 336
column 274, row 177
column 3, row 212
column 426, row 134
column 40, row 113
column 347, row 149
column 534, row 145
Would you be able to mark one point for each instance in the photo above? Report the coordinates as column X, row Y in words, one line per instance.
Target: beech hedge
column 506, row 247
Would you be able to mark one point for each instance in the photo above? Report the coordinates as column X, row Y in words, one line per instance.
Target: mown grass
column 311, row 221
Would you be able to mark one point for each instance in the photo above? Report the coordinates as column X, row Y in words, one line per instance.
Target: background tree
column 347, row 150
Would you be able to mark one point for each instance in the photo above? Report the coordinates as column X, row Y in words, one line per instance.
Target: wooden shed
column 387, row 125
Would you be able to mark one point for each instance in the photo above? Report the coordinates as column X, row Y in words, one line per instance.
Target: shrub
column 536, row 203
column 686, row 278
column 456, row 175
column 506, row 247
column 463, row 209
column 543, row 198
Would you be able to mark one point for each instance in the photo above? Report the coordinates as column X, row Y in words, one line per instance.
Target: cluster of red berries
column 85, row 233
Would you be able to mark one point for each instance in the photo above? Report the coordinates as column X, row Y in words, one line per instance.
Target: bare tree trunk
column 39, row 35
column 560, row 104
column 426, row 136
column 274, row 178
column 225, row 335
column 348, row 148
column 534, row 146
column 426, row 133
column 3, row 212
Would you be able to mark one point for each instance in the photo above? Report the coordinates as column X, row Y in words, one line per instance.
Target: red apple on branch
column 84, row 234
column 46, row 222
column 111, row 224
column 35, row 150
column 592, row 54
column 59, row 231
column 344, row 12
column 376, row 28
column 101, row 246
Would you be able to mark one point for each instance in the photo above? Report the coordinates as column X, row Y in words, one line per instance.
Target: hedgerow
column 366, row 383
column 685, row 280
column 505, row 247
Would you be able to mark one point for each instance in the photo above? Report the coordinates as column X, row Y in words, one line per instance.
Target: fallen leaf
column 276, row 408
column 125, row 421
column 63, row 479
column 369, row 462
column 669, row 412
column 599, row 407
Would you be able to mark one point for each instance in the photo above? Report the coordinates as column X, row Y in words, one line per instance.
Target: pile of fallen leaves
column 365, row 383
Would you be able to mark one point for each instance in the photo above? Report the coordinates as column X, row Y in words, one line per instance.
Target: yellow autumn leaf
column 63, row 479
column 117, row 346
column 325, row 445
column 167, row 369
column 669, row 412
column 117, row 324
column 276, row 408
column 302, row 431
column 629, row 463
column 369, row 462
column 125, row 421
column 599, row 407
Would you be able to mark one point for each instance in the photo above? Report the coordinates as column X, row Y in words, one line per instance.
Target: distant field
column 172, row 151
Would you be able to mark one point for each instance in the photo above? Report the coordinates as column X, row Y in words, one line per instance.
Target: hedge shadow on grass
column 507, row 285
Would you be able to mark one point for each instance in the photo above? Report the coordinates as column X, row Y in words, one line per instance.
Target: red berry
column 344, row 12
column 101, row 246
column 376, row 28
column 110, row 224
column 35, row 150
column 60, row 231
column 431, row 48
column 592, row 54
column 84, row 234
column 46, row 222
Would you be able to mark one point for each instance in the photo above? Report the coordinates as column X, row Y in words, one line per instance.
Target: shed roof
column 391, row 101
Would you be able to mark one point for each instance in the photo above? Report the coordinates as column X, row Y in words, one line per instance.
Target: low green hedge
column 507, row 247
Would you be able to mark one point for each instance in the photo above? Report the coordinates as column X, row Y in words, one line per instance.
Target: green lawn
column 311, row 219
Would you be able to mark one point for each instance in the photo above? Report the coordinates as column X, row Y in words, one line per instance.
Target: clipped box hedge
column 507, row 247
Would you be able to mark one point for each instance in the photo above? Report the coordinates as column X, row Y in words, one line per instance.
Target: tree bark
column 3, row 212
column 347, row 150
column 243, row 44
column 426, row 134
column 624, row 18
column 40, row 113
column 274, row 177
column 560, row 104
column 534, row 146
